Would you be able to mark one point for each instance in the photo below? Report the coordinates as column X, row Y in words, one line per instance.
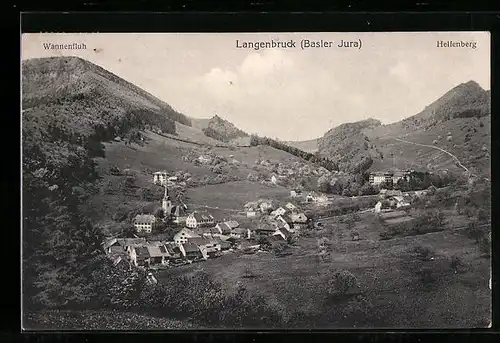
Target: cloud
column 264, row 64
column 400, row 70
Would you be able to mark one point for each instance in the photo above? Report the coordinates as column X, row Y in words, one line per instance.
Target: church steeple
column 166, row 203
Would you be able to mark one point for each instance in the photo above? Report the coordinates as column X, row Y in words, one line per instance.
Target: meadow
column 392, row 292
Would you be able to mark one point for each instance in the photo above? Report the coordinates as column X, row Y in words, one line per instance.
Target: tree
column 341, row 282
column 160, row 214
column 323, row 184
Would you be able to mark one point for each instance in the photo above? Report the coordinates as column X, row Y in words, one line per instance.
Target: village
column 201, row 237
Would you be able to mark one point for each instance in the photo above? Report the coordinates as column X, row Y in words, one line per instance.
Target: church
column 175, row 213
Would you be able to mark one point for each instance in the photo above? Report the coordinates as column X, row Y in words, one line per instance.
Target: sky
column 290, row 94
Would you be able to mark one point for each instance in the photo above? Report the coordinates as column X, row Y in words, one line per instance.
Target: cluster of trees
column 197, row 298
column 313, row 158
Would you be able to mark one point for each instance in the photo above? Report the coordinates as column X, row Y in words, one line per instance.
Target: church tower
column 166, row 203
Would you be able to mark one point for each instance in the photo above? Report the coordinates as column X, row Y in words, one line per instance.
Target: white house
column 278, row 212
column 274, row 179
column 199, row 219
column 265, row 206
column 293, row 194
column 291, row 206
column 160, row 178
column 402, row 201
column 298, row 218
column 251, row 213
column 144, row 223
column 182, row 236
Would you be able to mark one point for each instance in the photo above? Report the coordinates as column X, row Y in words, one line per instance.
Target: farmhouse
column 208, row 247
column 223, row 228
column 182, row 236
column 264, row 230
column 232, row 223
column 160, row 178
column 144, row 223
column 199, row 219
column 173, row 250
column 240, row 233
column 191, row 251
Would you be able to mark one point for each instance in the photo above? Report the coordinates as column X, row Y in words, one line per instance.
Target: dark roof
column 199, row 241
column 265, row 228
column 144, row 218
column 190, row 247
column 178, row 211
column 275, row 238
column 224, row 227
column 142, row 252
column 203, row 216
column 239, row 230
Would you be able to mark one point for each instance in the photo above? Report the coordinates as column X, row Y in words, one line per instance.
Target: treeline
column 313, row 158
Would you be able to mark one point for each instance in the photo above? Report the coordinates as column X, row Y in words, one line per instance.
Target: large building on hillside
column 199, row 219
column 160, row 178
column 390, row 178
column 144, row 223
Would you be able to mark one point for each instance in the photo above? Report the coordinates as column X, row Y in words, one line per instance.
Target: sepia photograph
column 184, row 181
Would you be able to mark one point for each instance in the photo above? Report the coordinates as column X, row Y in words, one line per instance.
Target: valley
column 315, row 244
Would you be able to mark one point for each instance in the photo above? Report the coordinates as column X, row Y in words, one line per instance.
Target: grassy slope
column 294, row 283
column 163, row 153
column 435, row 120
column 407, row 156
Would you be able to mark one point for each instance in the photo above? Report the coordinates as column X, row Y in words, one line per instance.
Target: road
column 446, row 152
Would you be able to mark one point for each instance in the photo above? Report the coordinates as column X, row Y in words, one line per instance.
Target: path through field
column 438, row 148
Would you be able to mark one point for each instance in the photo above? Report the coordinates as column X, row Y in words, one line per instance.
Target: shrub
column 423, row 252
column 426, row 276
column 342, row 282
column 457, row 264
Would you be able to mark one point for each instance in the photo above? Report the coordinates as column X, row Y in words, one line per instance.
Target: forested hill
column 70, row 106
column 81, row 95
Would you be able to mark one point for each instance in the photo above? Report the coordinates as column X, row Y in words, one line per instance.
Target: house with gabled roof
column 199, row 219
column 208, row 247
column 223, row 228
column 300, row 218
column 240, row 232
column 232, row 223
column 278, row 212
column 191, row 251
column 264, row 229
column 183, row 235
column 284, row 233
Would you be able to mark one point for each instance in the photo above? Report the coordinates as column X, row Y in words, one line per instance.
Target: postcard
column 183, row 181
